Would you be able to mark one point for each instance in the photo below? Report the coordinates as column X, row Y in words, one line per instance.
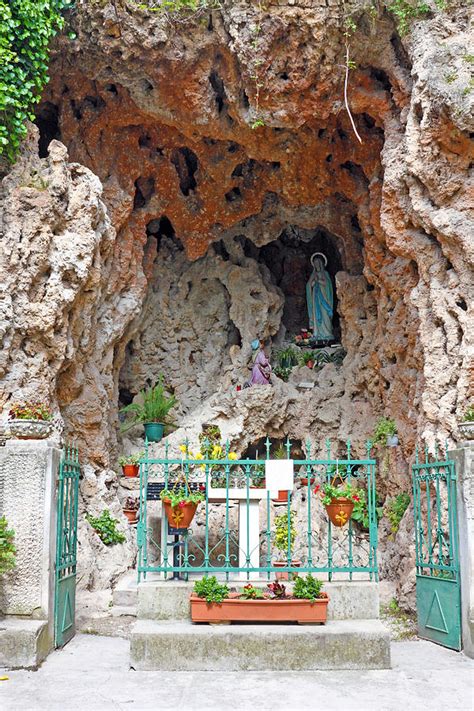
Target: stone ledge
column 24, row 643
column 183, row 646
column 169, row 600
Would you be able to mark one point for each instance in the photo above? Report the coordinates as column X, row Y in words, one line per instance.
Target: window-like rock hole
column 233, row 195
column 47, row 120
column 219, row 90
column 161, row 228
column 112, row 88
column 144, row 189
column 381, row 78
column 462, row 304
column 186, row 163
column 221, row 250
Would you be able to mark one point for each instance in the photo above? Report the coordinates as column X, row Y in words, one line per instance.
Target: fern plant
column 155, row 406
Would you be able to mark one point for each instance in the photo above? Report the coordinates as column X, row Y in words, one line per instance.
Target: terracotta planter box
column 269, row 610
column 130, row 470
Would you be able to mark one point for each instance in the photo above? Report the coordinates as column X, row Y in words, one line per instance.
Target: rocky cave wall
column 105, row 288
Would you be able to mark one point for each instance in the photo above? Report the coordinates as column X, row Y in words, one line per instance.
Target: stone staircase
column 163, row 638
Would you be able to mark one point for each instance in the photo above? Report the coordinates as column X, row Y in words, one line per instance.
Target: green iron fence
column 66, row 546
column 438, row 595
column 234, row 529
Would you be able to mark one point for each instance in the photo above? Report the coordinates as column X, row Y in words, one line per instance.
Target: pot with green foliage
column 284, row 541
column 339, row 501
column 386, row 432
column 152, row 412
column 180, row 505
column 131, row 464
column 212, row 602
column 466, row 426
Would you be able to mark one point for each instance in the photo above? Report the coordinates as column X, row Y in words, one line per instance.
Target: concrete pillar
column 464, row 461
column 28, row 475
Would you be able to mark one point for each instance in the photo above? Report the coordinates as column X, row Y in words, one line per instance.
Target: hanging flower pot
column 181, row 515
column 340, row 510
column 180, row 506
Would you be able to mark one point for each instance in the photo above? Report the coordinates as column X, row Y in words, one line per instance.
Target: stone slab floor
column 92, row 674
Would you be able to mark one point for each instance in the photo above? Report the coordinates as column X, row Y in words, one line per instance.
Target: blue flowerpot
column 154, row 431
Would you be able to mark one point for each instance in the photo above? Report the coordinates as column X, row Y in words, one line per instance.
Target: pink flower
column 182, row 504
column 317, row 488
column 355, row 498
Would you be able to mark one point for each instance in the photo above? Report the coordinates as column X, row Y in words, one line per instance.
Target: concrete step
column 183, row 646
column 125, row 593
column 169, row 599
column 24, row 643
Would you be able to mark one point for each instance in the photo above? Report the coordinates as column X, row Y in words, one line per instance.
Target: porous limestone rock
column 171, row 275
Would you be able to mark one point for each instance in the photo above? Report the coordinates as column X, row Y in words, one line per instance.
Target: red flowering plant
column 328, row 492
column 30, row 410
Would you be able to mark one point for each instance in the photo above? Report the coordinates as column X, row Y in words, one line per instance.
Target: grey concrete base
column 126, row 591
column 169, row 600
column 182, row 646
column 24, row 643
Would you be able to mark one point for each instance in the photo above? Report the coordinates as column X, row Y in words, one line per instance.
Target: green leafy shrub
column 26, row 28
column 7, row 549
column 405, row 12
column 469, row 414
column 106, row 528
column 249, row 592
column 396, row 508
column 384, row 428
column 30, row 410
column 182, row 496
column 287, row 357
column 281, row 532
column 131, row 459
column 360, row 513
column 211, row 590
column 308, row 588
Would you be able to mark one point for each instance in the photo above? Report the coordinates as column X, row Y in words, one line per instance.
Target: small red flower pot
column 131, row 514
column 130, row 470
column 340, row 510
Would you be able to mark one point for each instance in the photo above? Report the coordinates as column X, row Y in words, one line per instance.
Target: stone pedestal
column 28, row 474
column 464, row 461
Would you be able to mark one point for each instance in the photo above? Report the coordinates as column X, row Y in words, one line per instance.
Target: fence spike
column 348, row 446
column 227, row 447
column 416, row 454
column 268, row 444
column 308, row 448
column 368, row 446
column 288, row 447
column 426, row 454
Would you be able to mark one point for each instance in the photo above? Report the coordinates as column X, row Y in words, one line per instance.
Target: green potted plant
column 281, row 543
column 287, row 357
column 131, row 464
column 307, row 358
column 7, row 549
column 466, row 426
column 180, row 505
column 338, row 500
column 153, row 412
column 130, row 508
column 106, row 528
column 30, row 420
column 386, row 432
column 213, row 602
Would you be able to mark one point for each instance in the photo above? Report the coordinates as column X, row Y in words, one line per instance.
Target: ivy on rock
column 26, row 28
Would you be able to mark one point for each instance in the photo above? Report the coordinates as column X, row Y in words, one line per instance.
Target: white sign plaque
column 279, row 475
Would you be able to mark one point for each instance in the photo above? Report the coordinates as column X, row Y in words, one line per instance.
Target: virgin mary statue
column 320, row 299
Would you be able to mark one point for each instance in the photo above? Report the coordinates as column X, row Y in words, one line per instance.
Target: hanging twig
column 346, row 81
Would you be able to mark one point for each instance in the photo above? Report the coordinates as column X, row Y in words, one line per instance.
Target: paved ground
column 91, row 674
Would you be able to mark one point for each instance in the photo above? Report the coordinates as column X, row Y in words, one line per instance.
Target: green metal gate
column 66, row 547
column 438, row 596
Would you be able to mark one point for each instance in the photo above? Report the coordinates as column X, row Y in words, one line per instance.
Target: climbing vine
column 26, row 28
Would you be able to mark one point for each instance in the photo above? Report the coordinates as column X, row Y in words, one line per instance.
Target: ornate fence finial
column 308, row 448
column 348, row 447
column 288, row 447
column 328, row 448
column 268, row 444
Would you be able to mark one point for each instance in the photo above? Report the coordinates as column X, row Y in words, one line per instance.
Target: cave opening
column 288, row 259
column 47, row 120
